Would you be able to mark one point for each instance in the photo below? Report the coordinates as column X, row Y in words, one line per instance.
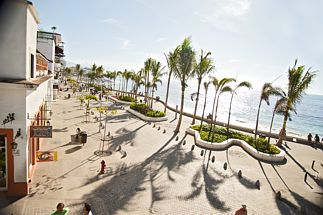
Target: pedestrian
column 309, row 138
column 60, row 210
column 78, row 134
column 242, row 210
column 87, row 209
column 317, row 138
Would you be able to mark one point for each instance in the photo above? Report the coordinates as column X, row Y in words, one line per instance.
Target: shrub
column 221, row 135
column 126, row 98
column 145, row 110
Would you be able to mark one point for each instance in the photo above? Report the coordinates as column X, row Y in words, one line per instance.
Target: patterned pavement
column 160, row 175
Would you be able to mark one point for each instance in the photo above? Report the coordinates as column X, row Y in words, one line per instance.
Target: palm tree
column 99, row 72
column 91, row 76
column 113, row 76
column 147, row 68
column 183, row 71
column 119, row 74
column 279, row 108
column 157, row 73
column 219, row 85
column 80, row 75
column 298, row 82
column 206, row 85
column 266, row 91
column 224, row 89
column 203, row 68
column 128, row 75
column 77, row 69
column 138, row 81
column 242, row 84
column 94, row 66
column 123, row 81
column 171, row 59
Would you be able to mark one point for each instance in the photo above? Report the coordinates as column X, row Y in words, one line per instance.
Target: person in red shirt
column 242, row 211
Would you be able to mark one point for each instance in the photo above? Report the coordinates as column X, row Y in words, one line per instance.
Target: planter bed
column 119, row 101
column 147, row 118
column 214, row 146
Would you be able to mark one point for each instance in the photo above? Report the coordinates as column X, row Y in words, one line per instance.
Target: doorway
column 3, row 163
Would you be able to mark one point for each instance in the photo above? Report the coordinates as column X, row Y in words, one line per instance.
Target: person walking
column 78, row 134
column 87, row 209
column 309, row 138
column 317, row 138
column 60, row 210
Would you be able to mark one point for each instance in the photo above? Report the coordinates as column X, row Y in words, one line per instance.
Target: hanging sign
column 41, row 131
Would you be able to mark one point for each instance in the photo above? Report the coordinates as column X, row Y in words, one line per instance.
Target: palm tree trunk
column 197, row 100
column 203, row 111
column 145, row 89
column 209, row 135
column 215, row 116
column 181, row 111
column 168, row 84
column 229, row 115
column 271, row 125
column 152, row 96
column 282, row 133
column 257, row 121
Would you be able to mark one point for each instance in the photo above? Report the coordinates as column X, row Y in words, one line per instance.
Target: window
column 32, row 65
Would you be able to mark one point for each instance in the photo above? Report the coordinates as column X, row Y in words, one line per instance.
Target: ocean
column 309, row 117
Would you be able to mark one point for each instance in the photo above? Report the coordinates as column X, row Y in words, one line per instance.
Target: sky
column 252, row 40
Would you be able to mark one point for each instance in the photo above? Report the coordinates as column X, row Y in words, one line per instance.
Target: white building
column 25, row 95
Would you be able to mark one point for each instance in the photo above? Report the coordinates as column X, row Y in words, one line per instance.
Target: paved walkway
column 160, row 175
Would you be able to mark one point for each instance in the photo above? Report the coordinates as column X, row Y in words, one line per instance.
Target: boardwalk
column 160, row 175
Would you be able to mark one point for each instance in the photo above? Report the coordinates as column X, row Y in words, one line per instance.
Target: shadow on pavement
column 74, row 149
column 126, row 180
column 203, row 179
column 60, row 129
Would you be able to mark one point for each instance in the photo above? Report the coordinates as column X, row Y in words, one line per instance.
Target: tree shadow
column 246, row 182
column 196, row 186
column 318, row 181
column 74, row 149
column 120, row 118
column 202, row 179
column 307, row 207
column 173, row 159
column 298, row 164
column 285, row 206
column 125, row 137
column 265, row 174
column 60, row 129
column 280, row 177
column 120, row 189
column 76, row 117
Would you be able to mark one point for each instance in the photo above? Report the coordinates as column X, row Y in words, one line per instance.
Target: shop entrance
column 3, row 163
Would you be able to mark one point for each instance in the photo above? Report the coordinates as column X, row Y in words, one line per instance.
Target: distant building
column 50, row 44
column 26, row 91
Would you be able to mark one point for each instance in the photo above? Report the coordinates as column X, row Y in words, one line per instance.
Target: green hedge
column 221, row 135
column 97, row 87
column 145, row 110
column 126, row 98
